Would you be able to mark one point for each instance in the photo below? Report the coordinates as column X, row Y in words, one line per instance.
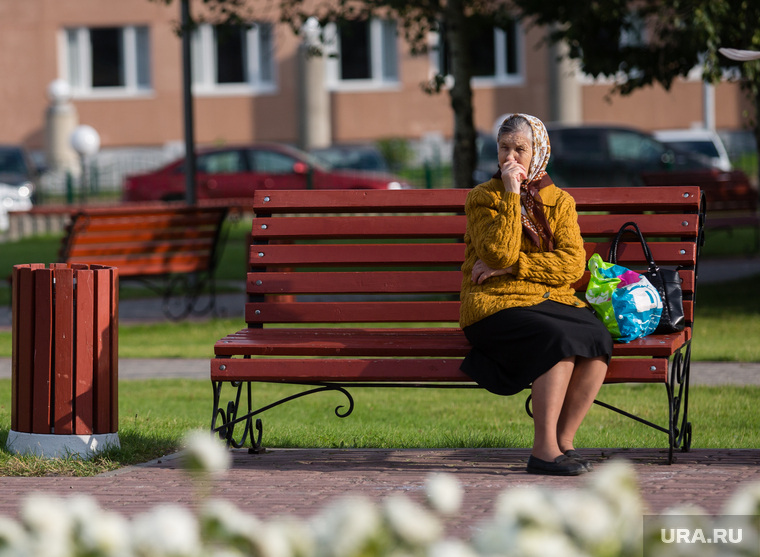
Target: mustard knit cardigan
column 494, row 235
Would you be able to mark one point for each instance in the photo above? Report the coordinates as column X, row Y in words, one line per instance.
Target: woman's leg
column 585, row 382
column 548, row 394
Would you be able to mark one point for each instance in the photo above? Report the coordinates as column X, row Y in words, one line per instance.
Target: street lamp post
column 86, row 142
column 187, row 95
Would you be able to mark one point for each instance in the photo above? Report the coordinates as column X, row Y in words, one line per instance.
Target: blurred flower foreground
column 601, row 519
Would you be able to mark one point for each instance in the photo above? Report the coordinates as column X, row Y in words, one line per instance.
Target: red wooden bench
column 356, row 260
column 172, row 248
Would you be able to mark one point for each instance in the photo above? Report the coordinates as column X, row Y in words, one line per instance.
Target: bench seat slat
column 407, row 371
column 416, row 342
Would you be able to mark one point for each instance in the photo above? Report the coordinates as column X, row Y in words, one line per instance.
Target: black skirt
column 513, row 347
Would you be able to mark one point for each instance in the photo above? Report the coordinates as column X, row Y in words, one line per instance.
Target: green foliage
column 643, row 42
column 396, row 151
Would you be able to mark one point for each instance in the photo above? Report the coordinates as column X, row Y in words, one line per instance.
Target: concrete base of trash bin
column 60, row 446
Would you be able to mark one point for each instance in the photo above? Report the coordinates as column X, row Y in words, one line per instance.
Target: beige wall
column 29, row 32
column 654, row 108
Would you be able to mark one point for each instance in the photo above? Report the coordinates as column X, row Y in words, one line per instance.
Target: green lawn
column 154, row 415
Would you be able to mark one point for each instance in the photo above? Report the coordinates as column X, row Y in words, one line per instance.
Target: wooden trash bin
column 64, row 367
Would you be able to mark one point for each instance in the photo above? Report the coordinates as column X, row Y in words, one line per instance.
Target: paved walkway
column 300, row 482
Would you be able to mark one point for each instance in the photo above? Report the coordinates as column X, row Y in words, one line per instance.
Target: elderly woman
column 519, row 311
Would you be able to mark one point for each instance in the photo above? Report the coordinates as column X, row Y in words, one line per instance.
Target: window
column 363, row 54
column 233, row 58
column 222, row 162
column 629, row 146
column 494, row 51
column 107, row 60
column 271, row 162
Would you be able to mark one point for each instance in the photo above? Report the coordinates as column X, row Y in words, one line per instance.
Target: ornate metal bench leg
column 256, row 446
column 679, row 381
column 229, row 415
column 183, row 293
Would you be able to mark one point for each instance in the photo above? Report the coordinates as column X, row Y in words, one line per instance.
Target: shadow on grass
column 136, row 448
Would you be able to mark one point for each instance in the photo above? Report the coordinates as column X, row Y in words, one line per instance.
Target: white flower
column 444, row 493
column 745, row 501
column 275, row 540
column 495, row 535
column 536, row 542
column 587, row 517
column 412, row 523
column 616, row 482
column 13, row 539
column 206, row 453
column 614, row 478
column 451, row 548
column 525, row 506
column 225, row 520
column 96, row 530
column 346, row 527
column 49, row 524
column 297, row 534
column 167, row 530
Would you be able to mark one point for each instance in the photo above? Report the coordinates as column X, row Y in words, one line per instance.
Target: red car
column 237, row 171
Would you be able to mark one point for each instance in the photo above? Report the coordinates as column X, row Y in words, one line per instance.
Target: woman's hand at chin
column 513, row 174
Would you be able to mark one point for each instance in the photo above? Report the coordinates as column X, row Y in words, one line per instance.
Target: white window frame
column 501, row 77
column 203, row 47
column 81, row 84
column 378, row 81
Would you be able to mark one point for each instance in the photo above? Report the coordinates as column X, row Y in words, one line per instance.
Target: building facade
column 122, row 61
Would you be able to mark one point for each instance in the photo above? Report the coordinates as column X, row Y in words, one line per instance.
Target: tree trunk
column 464, row 155
column 755, row 91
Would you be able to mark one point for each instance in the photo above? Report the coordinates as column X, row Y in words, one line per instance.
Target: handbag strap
column 633, row 228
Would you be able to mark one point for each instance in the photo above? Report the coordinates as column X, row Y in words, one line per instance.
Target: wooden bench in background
column 376, row 278
column 172, row 248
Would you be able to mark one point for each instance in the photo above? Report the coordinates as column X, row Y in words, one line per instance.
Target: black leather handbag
column 666, row 281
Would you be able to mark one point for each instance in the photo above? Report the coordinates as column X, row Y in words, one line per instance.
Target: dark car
column 237, row 171
column 604, row 156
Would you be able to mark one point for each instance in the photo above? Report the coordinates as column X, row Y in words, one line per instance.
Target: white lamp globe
column 85, row 140
column 59, row 91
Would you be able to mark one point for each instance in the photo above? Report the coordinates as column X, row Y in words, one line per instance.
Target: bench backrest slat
column 395, row 256
column 145, row 240
column 381, row 282
column 278, row 255
column 651, row 198
column 442, row 226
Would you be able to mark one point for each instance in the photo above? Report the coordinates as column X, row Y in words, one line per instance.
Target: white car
column 698, row 140
column 13, row 198
column 17, row 178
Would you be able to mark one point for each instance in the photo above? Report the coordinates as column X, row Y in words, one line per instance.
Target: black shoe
column 561, row 466
column 575, row 455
